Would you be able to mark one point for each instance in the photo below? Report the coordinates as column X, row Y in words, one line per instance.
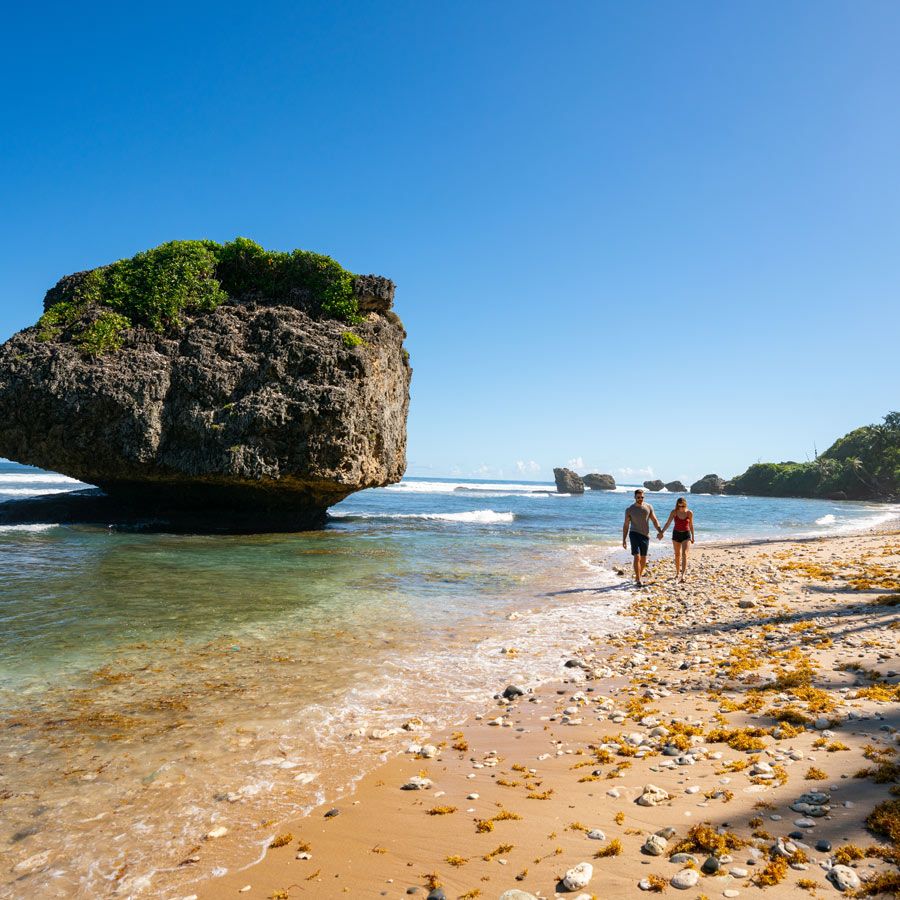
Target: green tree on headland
column 862, row 465
column 159, row 288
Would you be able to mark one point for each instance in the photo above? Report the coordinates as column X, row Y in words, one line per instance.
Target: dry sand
column 801, row 633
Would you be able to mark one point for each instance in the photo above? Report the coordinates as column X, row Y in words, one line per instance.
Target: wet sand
column 772, row 674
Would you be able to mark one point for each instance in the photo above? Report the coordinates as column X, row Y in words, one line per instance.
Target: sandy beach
column 738, row 736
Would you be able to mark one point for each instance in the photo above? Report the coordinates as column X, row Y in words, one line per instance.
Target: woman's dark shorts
column 680, row 536
column 640, row 543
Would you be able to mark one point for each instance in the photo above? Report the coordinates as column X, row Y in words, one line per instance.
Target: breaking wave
column 477, row 516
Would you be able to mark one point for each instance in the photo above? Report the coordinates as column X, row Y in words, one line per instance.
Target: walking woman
column 681, row 534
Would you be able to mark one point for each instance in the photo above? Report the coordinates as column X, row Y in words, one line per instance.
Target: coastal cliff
column 217, row 385
column 862, row 465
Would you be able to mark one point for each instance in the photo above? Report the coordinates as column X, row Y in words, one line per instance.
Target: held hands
column 659, row 535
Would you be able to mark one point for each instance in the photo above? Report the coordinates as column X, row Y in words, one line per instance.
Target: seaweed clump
column 703, row 838
column 884, row 820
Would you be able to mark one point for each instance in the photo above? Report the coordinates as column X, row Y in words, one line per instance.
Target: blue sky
column 647, row 236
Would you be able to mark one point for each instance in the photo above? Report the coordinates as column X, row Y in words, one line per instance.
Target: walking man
column 637, row 529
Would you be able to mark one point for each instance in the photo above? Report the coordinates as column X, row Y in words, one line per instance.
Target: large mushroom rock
column 597, row 482
column 221, row 386
column 709, row 484
column 655, row 485
column 568, row 482
column 676, row 487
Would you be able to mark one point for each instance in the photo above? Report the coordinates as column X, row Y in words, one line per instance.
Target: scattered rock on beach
column 843, row 878
column 652, row 796
column 655, row 845
column 413, row 724
column 417, row 783
column 379, row 734
column 686, row 878
column 578, row 877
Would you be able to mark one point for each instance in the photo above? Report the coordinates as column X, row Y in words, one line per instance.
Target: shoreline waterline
column 166, row 738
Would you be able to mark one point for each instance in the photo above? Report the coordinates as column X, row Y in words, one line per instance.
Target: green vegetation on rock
column 104, row 333
column 350, row 340
column 862, row 465
column 158, row 288
column 243, row 267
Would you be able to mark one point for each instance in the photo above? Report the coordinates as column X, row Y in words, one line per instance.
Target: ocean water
column 154, row 686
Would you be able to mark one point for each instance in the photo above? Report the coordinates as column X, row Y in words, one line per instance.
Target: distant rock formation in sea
column 221, row 386
column 568, row 482
column 709, row 484
column 861, row 465
column 676, row 487
column 597, row 482
column 654, row 485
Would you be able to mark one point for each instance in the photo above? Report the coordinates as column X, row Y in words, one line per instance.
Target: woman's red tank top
column 682, row 524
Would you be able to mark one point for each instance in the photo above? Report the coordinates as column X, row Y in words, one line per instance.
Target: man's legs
column 639, row 546
column 643, row 565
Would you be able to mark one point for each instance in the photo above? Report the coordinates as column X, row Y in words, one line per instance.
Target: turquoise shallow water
column 439, row 549
column 144, row 677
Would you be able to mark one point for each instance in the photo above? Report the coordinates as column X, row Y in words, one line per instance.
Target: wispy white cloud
column 486, row 471
column 576, row 463
column 527, row 468
column 629, row 472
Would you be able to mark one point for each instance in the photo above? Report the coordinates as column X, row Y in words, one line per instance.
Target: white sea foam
column 29, row 477
column 449, row 487
column 31, row 492
column 478, row 516
column 882, row 517
column 28, row 528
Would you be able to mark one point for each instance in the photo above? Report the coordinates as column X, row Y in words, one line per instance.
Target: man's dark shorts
column 640, row 543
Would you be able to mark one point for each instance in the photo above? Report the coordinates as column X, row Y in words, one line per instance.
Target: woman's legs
column 677, row 546
column 684, row 557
